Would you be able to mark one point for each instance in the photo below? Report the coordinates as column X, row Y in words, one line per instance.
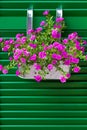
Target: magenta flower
column 57, row 26
column 17, row 45
column 65, row 54
column 50, row 46
column 67, row 62
column 26, row 53
column 56, row 56
column 62, row 79
column 42, row 23
column 32, row 45
column 56, row 34
column 1, row 39
column 18, row 35
column 42, row 54
column 1, row 67
column 33, row 37
column 74, row 60
column 59, row 19
column 23, row 40
column 38, row 78
column 17, row 72
column 72, row 36
column 4, row 71
column 46, row 12
column 45, row 48
column 6, row 48
column 6, row 42
column 65, row 41
column 39, row 29
column 30, row 31
column 10, row 58
column 11, row 41
column 37, row 66
column 68, row 75
column 76, row 69
column 50, row 67
column 33, row 57
column 54, row 62
column 23, row 60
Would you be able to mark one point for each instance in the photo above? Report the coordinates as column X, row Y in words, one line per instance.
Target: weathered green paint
column 25, row 104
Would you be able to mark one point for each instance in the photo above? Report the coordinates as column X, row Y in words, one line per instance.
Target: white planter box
column 53, row 74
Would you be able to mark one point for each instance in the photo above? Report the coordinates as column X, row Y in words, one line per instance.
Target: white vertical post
column 59, row 12
column 29, row 19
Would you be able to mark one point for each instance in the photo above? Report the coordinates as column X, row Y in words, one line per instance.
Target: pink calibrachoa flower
column 42, row 54
column 4, row 71
column 67, row 62
column 45, row 48
column 11, row 41
column 1, row 67
column 56, row 56
column 23, row 60
column 33, row 37
column 33, row 57
column 54, row 62
column 50, row 46
column 6, row 42
column 38, row 78
column 57, row 26
column 65, row 41
column 30, row 31
column 37, row 66
column 59, row 19
column 74, row 60
column 72, row 36
column 23, row 40
column 46, row 12
column 76, row 69
column 19, row 35
column 42, row 23
column 39, row 29
column 1, row 39
column 64, row 54
column 50, row 66
column 17, row 45
column 32, row 45
column 56, row 34
column 62, row 79
column 6, row 48
column 10, row 58
column 26, row 53
column 68, row 75
column 17, row 73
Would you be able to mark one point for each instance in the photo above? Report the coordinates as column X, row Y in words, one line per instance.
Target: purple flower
column 42, row 23
column 68, row 75
column 39, row 29
column 45, row 48
column 16, row 57
column 33, row 57
column 6, row 48
column 26, row 53
column 11, row 41
column 54, row 62
column 59, row 46
column 65, row 54
column 56, row 34
column 23, row 40
column 57, row 26
column 18, row 35
column 46, row 12
column 56, row 56
column 67, row 62
column 59, row 19
column 10, row 58
column 42, row 54
column 4, row 71
column 62, row 79
column 76, row 69
column 72, row 36
column 74, row 60
column 1, row 39
column 38, row 78
column 50, row 67
column 33, row 37
column 37, row 66
column 17, row 45
column 6, row 42
column 23, row 60
column 50, row 46
column 17, row 72
column 1, row 67
column 30, row 31
column 65, row 41
column 32, row 45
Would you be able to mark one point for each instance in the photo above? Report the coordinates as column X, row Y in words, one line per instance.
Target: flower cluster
column 44, row 48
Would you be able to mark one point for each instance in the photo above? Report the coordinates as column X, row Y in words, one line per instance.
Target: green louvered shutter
column 27, row 105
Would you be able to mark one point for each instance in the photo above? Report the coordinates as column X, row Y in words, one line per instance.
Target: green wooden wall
column 27, row 105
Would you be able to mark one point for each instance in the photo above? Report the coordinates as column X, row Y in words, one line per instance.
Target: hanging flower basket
column 44, row 54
